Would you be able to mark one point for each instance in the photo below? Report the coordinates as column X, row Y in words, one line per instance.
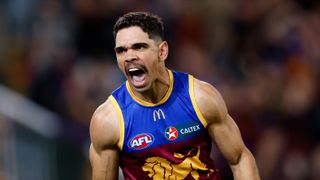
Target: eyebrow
column 133, row 46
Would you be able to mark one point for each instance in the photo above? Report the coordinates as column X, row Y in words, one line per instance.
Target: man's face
column 139, row 57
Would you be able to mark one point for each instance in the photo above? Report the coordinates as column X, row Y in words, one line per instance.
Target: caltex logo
column 171, row 133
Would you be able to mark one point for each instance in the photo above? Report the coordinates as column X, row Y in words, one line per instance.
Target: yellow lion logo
column 160, row 168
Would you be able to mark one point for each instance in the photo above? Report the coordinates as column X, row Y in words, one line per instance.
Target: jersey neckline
column 149, row 104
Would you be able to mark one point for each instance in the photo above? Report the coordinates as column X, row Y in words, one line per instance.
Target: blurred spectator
column 270, row 150
column 296, row 165
column 315, row 163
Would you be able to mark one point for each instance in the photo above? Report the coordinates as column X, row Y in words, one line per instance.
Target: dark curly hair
column 149, row 23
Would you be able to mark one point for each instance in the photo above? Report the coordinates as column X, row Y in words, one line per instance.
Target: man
column 160, row 124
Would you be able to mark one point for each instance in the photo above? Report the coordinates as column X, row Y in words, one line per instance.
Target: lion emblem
column 160, row 168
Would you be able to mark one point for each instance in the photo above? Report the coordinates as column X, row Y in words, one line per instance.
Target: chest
column 149, row 127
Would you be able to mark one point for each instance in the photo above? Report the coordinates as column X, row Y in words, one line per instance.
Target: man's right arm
column 104, row 133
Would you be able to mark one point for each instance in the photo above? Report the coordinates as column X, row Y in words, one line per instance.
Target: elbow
column 243, row 155
column 236, row 160
column 244, row 167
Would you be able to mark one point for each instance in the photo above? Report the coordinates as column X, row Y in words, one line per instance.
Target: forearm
column 105, row 165
column 246, row 168
column 109, row 173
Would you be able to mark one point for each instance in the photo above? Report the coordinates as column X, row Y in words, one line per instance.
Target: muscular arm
column 104, row 133
column 225, row 132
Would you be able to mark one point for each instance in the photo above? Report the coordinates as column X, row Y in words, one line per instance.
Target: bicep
column 221, row 127
column 104, row 163
column 227, row 136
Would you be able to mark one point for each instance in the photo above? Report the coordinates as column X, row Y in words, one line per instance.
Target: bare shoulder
column 104, row 126
column 209, row 101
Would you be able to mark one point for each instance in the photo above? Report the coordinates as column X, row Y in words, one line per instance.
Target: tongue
column 138, row 78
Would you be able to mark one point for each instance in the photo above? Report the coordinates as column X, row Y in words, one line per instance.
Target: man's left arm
column 224, row 131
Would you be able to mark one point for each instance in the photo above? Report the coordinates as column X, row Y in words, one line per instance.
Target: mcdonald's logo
column 158, row 114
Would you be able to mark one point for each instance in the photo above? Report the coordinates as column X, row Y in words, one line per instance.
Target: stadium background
column 57, row 65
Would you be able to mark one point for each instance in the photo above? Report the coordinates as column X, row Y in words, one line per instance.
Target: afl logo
column 141, row 141
column 171, row 133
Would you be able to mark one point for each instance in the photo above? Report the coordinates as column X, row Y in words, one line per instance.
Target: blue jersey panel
column 146, row 127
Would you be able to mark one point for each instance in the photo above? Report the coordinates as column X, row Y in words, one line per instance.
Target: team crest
column 171, row 133
column 161, row 168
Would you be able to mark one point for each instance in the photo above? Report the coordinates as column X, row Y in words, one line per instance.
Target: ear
column 163, row 50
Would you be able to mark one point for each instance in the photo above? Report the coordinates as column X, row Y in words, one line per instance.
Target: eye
column 120, row 50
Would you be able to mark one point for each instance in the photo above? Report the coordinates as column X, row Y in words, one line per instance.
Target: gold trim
column 194, row 103
column 149, row 104
column 120, row 119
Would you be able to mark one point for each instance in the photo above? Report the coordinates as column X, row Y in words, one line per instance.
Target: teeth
column 133, row 69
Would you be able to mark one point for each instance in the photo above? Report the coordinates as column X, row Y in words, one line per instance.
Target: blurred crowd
column 263, row 56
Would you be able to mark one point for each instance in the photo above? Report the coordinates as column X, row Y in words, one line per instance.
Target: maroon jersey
column 167, row 140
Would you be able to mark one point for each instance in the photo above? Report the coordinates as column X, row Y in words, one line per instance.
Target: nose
column 131, row 55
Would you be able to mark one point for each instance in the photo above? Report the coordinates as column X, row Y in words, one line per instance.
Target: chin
column 142, row 88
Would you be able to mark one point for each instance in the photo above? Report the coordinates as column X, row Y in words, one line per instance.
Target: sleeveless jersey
column 167, row 140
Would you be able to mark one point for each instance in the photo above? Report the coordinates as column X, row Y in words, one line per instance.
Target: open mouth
column 135, row 72
column 138, row 75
